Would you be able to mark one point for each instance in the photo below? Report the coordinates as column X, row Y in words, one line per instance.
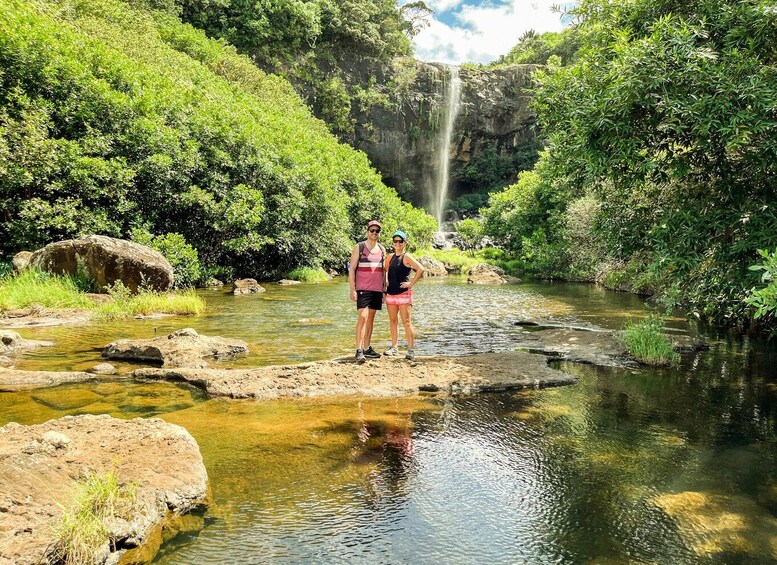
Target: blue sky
column 475, row 31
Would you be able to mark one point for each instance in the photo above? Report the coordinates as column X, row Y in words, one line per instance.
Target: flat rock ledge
column 588, row 345
column 39, row 467
column 183, row 348
column 386, row 376
column 12, row 380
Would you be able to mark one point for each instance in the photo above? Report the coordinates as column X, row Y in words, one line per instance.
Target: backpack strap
column 362, row 245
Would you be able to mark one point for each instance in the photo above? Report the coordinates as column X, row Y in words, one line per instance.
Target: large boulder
column 247, row 286
column 184, row 348
column 106, row 260
column 432, row 267
column 488, row 274
column 40, row 466
column 21, row 260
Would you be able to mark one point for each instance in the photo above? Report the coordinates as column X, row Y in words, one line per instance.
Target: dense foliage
column 534, row 48
column 663, row 144
column 331, row 50
column 114, row 118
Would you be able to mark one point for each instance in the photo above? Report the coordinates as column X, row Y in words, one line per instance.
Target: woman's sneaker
column 360, row 356
column 410, row 354
column 370, row 353
column 391, row 351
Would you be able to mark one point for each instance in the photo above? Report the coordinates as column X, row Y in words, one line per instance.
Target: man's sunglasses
column 398, row 241
column 376, row 230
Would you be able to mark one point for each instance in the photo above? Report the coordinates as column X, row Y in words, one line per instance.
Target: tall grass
column 124, row 304
column 308, row 274
column 52, row 291
column 648, row 344
column 30, row 287
column 82, row 532
column 465, row 261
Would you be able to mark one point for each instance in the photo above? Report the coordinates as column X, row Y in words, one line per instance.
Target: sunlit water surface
column 648, row 466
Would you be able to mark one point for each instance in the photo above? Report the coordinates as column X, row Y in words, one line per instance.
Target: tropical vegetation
column 659, row 171
column 119, row 119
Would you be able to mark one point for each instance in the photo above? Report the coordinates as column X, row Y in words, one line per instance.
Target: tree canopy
column 668, row 120
column 115, row 118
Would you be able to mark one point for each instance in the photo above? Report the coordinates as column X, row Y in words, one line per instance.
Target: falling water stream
column 453, row 97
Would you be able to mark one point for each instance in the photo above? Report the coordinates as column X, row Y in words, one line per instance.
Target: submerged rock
column 380, row 377
column 247, row 286
column 288, row 282
column 102, row 369
column 184, row 348
column 40, row 464
column 106, row 260
column 12, row 380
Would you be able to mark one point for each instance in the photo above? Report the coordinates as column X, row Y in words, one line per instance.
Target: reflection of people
column 399, row 292
column 366, row 278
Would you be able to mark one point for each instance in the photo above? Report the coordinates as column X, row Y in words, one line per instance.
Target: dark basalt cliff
column 402, row 139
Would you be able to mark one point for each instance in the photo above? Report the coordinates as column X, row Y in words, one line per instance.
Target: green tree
column 667, row 119
column 471, row 233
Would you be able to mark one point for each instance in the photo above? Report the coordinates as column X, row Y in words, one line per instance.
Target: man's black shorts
column 369, row 299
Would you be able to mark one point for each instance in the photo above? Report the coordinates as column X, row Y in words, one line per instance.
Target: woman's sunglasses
column 374, row 231
column 398, row 241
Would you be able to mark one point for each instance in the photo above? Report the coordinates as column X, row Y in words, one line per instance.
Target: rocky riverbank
column 40, row 466
column 380, row 377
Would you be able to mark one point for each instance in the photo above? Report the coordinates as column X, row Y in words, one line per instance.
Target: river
column 658, row 466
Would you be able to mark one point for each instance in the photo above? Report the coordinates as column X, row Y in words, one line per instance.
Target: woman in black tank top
column 399, row 292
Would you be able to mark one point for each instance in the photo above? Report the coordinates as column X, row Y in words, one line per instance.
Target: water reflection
column 645, row 466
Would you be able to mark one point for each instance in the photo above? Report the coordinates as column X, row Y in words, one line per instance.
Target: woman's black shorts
column 369, row 299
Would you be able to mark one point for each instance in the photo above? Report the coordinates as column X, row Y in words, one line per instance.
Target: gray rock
column 288, row 282
column 213, row 282
column 41, row 462
column 432, row 267
column 488, row 274
column 12, row 380
column 106, row 260
column 11, row 342
column 184, row 348
column 247, row 286
column 386, row 376
column 102, row 369
column 21, row 260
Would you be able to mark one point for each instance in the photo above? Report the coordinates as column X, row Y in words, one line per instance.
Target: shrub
column 648, row 344
column 183, row 257
column 764, row 300
column 308, row 274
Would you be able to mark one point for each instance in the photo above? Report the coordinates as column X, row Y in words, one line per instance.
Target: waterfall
column 453, row 96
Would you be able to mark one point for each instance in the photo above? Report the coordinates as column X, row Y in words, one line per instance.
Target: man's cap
column 401, row 234
column 373, row 223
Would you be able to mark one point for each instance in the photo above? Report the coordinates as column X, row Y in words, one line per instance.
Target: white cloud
column 481, row 33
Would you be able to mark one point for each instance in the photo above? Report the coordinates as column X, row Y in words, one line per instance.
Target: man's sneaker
column 410, row 354
column 391, row 351
column 360, row 358
column 371, row 353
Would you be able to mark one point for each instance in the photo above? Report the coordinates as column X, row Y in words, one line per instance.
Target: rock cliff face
column 403, row 139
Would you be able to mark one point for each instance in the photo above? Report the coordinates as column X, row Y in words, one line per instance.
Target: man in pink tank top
column 366, row 278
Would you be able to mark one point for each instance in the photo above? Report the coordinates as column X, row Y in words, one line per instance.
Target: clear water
column 648, row 466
